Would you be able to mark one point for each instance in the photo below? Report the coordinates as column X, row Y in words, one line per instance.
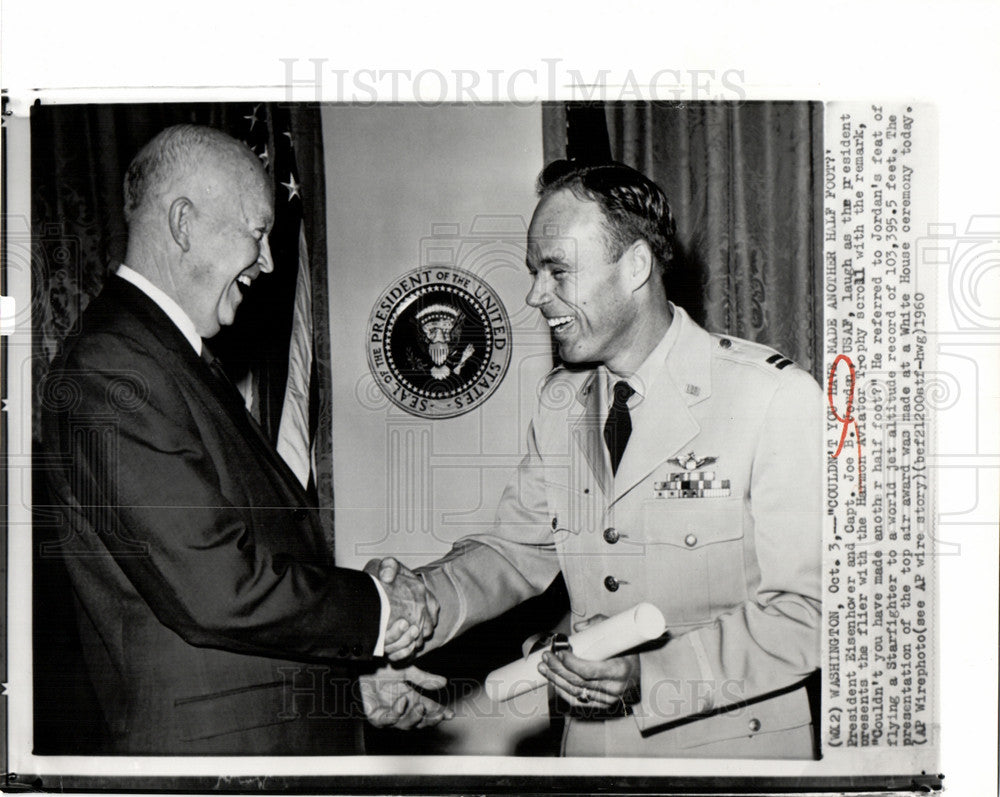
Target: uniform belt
column 560, row 708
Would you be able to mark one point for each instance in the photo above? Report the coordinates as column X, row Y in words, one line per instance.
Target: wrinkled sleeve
column 141, row 479
column 485, row 575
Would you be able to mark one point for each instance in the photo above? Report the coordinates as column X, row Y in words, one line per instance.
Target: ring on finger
column 584, row 696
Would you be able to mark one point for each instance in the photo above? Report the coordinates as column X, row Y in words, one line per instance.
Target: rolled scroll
column 642, row 623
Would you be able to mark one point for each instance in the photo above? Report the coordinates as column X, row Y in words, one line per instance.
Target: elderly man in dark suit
column 212, row 616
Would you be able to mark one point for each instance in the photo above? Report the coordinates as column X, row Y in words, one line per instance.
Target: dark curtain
column 744, row 182
column 78, row 158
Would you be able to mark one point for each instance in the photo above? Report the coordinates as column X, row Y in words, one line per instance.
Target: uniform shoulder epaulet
column 755, row 353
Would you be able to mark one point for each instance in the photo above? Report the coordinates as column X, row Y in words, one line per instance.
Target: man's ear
column 641, row 264
column 180, row 221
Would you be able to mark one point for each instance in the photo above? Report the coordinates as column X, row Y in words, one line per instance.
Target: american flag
column 275, row 320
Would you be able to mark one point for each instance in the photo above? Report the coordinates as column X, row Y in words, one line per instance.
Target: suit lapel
column 667, row 424
column 229, row 396
column 228, row 393
column 179, row 357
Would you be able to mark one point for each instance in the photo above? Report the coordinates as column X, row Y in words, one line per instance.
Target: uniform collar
column 664, row 422
column 689, row 360
column 685, row 351
column 679, row 375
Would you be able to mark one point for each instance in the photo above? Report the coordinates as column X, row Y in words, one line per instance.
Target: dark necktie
column 618, row 427
column 232, row 392
column 239, row 409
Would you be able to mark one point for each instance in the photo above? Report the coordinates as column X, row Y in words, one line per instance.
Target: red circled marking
column 847, row 419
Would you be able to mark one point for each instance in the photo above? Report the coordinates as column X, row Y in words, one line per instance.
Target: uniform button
column 690, row 541
column 344, row 652
column 725, row 343
column 555, row 523
column 754, row 725
column 611, row 536
column 356, row 650
column 299, row 514
column 611, row 584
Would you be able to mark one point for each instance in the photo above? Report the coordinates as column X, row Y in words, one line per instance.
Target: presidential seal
column 439, row 342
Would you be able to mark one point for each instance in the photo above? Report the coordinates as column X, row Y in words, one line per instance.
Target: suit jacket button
column 754, row 725
column 690, row 541
column 356, row 650
column 611, row 536
column 611, row 584
column 300, row 514
column 344, row 652
column 725, row 343
column 555, row 523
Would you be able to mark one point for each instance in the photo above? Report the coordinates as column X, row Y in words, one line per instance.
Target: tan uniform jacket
column 733, row 563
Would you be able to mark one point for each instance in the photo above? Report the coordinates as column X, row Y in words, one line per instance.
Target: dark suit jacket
column 212, row 617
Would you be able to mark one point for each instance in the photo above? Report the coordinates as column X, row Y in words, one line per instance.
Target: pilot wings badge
column 691, row 462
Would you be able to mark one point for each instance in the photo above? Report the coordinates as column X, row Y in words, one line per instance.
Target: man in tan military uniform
column 712, row 513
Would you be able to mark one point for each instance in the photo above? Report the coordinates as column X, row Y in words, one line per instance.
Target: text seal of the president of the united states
column 438, row 342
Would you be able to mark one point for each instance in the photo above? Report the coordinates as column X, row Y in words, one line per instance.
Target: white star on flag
column 291, row 142
column 293, row 188
column 265, row 157
column 253, row 117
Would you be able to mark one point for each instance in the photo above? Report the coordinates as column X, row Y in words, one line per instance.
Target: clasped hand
column 392, row 698
column 593, row 684
column 413, row 610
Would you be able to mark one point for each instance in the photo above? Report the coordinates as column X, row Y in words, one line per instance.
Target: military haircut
column 633, row 206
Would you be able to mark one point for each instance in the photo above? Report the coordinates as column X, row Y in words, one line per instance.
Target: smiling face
column 585, row 297
column 229, row 224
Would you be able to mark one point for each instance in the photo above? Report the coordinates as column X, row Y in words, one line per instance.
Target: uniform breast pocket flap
column 692, row 523
column 695, row 548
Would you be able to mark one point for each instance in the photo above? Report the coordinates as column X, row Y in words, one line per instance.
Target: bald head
column 188, row 159
column 199, row 208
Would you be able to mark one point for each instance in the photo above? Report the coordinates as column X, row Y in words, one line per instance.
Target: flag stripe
column 294, row 440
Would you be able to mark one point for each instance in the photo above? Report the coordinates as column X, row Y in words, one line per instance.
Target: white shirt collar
column 173, row 310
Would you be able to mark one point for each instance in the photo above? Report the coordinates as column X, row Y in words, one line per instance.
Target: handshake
column 413, row 611
column 392, row 695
